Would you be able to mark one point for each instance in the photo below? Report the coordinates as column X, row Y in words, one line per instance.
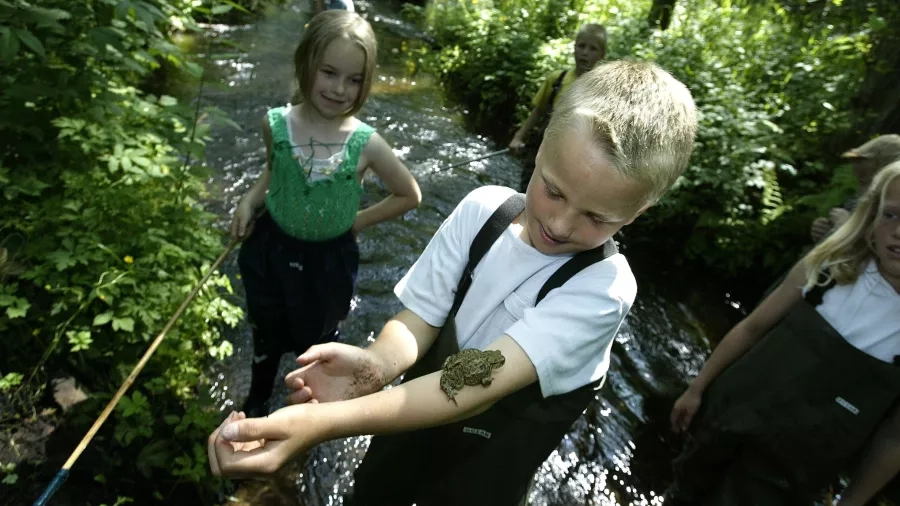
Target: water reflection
column 617, row 453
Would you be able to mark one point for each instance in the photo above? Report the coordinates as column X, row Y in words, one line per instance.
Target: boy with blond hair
column 510, row 315
column 589, row 48
column 866, row 160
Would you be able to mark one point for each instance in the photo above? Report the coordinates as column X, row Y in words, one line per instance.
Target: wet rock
column 66, row 393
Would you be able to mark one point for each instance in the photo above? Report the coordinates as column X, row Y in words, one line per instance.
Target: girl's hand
column 684, row 410
column 242, row 448
column 242, row 222
column 334, row 372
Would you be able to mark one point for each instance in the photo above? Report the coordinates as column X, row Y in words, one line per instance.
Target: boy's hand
column 684, row 410
column 838, row 215
column 242, row 448
column 516, row 144
column 242, row 222
column 334, row 372
column 820, row 228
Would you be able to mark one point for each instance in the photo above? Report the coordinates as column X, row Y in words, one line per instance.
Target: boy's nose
column 562, row 225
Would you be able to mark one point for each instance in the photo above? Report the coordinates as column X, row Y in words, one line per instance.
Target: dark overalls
column 297, row 293
column 779, row 424
column 529, row 153
column 489, row 459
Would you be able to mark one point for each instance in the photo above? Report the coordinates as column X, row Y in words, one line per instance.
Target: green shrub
column 773, row 86
column 104, row 231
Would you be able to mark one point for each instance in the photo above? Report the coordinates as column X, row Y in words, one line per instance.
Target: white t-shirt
column 866, row 313
column 567, row 337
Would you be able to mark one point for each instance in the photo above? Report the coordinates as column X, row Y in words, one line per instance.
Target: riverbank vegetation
column 103, row 232
column 783, row 87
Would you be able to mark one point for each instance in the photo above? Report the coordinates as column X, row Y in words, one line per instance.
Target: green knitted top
column 309, row 202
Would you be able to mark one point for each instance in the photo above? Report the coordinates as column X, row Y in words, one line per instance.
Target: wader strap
column 555, row 91
column 815, row 294
column 575, row 265
column 491, row 230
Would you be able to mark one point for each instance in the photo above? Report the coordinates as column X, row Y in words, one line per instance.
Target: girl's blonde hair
column 843, row 255
column 321, row 31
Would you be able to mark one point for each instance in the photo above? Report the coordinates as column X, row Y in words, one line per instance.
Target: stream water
column 618, row 452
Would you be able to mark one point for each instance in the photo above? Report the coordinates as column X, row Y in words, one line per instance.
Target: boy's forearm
column 421, row 403
column 523, row 131
column 403, row 340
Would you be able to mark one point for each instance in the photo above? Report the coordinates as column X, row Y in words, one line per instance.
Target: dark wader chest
column 490, row 458
column 786, row 418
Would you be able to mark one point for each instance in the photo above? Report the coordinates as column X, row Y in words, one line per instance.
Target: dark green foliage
column 103, row 231
column 775, row 83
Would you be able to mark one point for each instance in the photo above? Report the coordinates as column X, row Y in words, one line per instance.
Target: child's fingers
column 311, row 355
column 242, row 228
column 254, row 429
column 211, row 446
column 300, row 396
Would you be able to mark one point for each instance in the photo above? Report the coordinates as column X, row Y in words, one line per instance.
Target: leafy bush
column 103, row 230
column 773, row 87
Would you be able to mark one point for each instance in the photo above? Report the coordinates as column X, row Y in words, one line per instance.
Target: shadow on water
column 619, row 451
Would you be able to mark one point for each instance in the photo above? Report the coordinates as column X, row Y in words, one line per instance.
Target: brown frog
column 469, row 367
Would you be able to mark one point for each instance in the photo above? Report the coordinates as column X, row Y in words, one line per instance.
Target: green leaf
column 31, row 41
column 126, row 324
column 9, row 44
column 103, row 318
column 167, row 101
column 19, row 309
column 141, row 161
column 221, row 9
column 194, row 70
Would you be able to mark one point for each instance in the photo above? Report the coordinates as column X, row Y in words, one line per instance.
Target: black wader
column 531, row 147
column 779, row 424
column 488, row 459
column 297, row 293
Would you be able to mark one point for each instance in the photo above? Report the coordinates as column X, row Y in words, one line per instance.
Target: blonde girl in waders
column 790, row 396
column 300, row 258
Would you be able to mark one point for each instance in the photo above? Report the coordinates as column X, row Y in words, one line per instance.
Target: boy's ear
column 648, row 205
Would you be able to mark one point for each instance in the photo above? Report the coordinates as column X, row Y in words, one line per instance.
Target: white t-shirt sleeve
column 568, row 336
column 429, row 286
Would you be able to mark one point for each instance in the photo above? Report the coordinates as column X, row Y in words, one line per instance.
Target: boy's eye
column 596, row 220
column 357, row 80
column 889, row 215
column 552, row 193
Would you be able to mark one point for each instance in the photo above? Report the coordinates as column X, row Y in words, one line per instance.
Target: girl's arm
column 880, row 463
column 405, row 193
column 752, row 328
column 241, row 224
column 267, row 443
column 736, row 342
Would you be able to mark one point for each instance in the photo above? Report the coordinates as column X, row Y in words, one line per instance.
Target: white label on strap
column 478, row 432
column 846, row 405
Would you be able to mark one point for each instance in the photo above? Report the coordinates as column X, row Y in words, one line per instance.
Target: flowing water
column 618, row 452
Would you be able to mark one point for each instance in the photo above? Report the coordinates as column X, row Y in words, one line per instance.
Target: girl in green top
column 300, row 258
